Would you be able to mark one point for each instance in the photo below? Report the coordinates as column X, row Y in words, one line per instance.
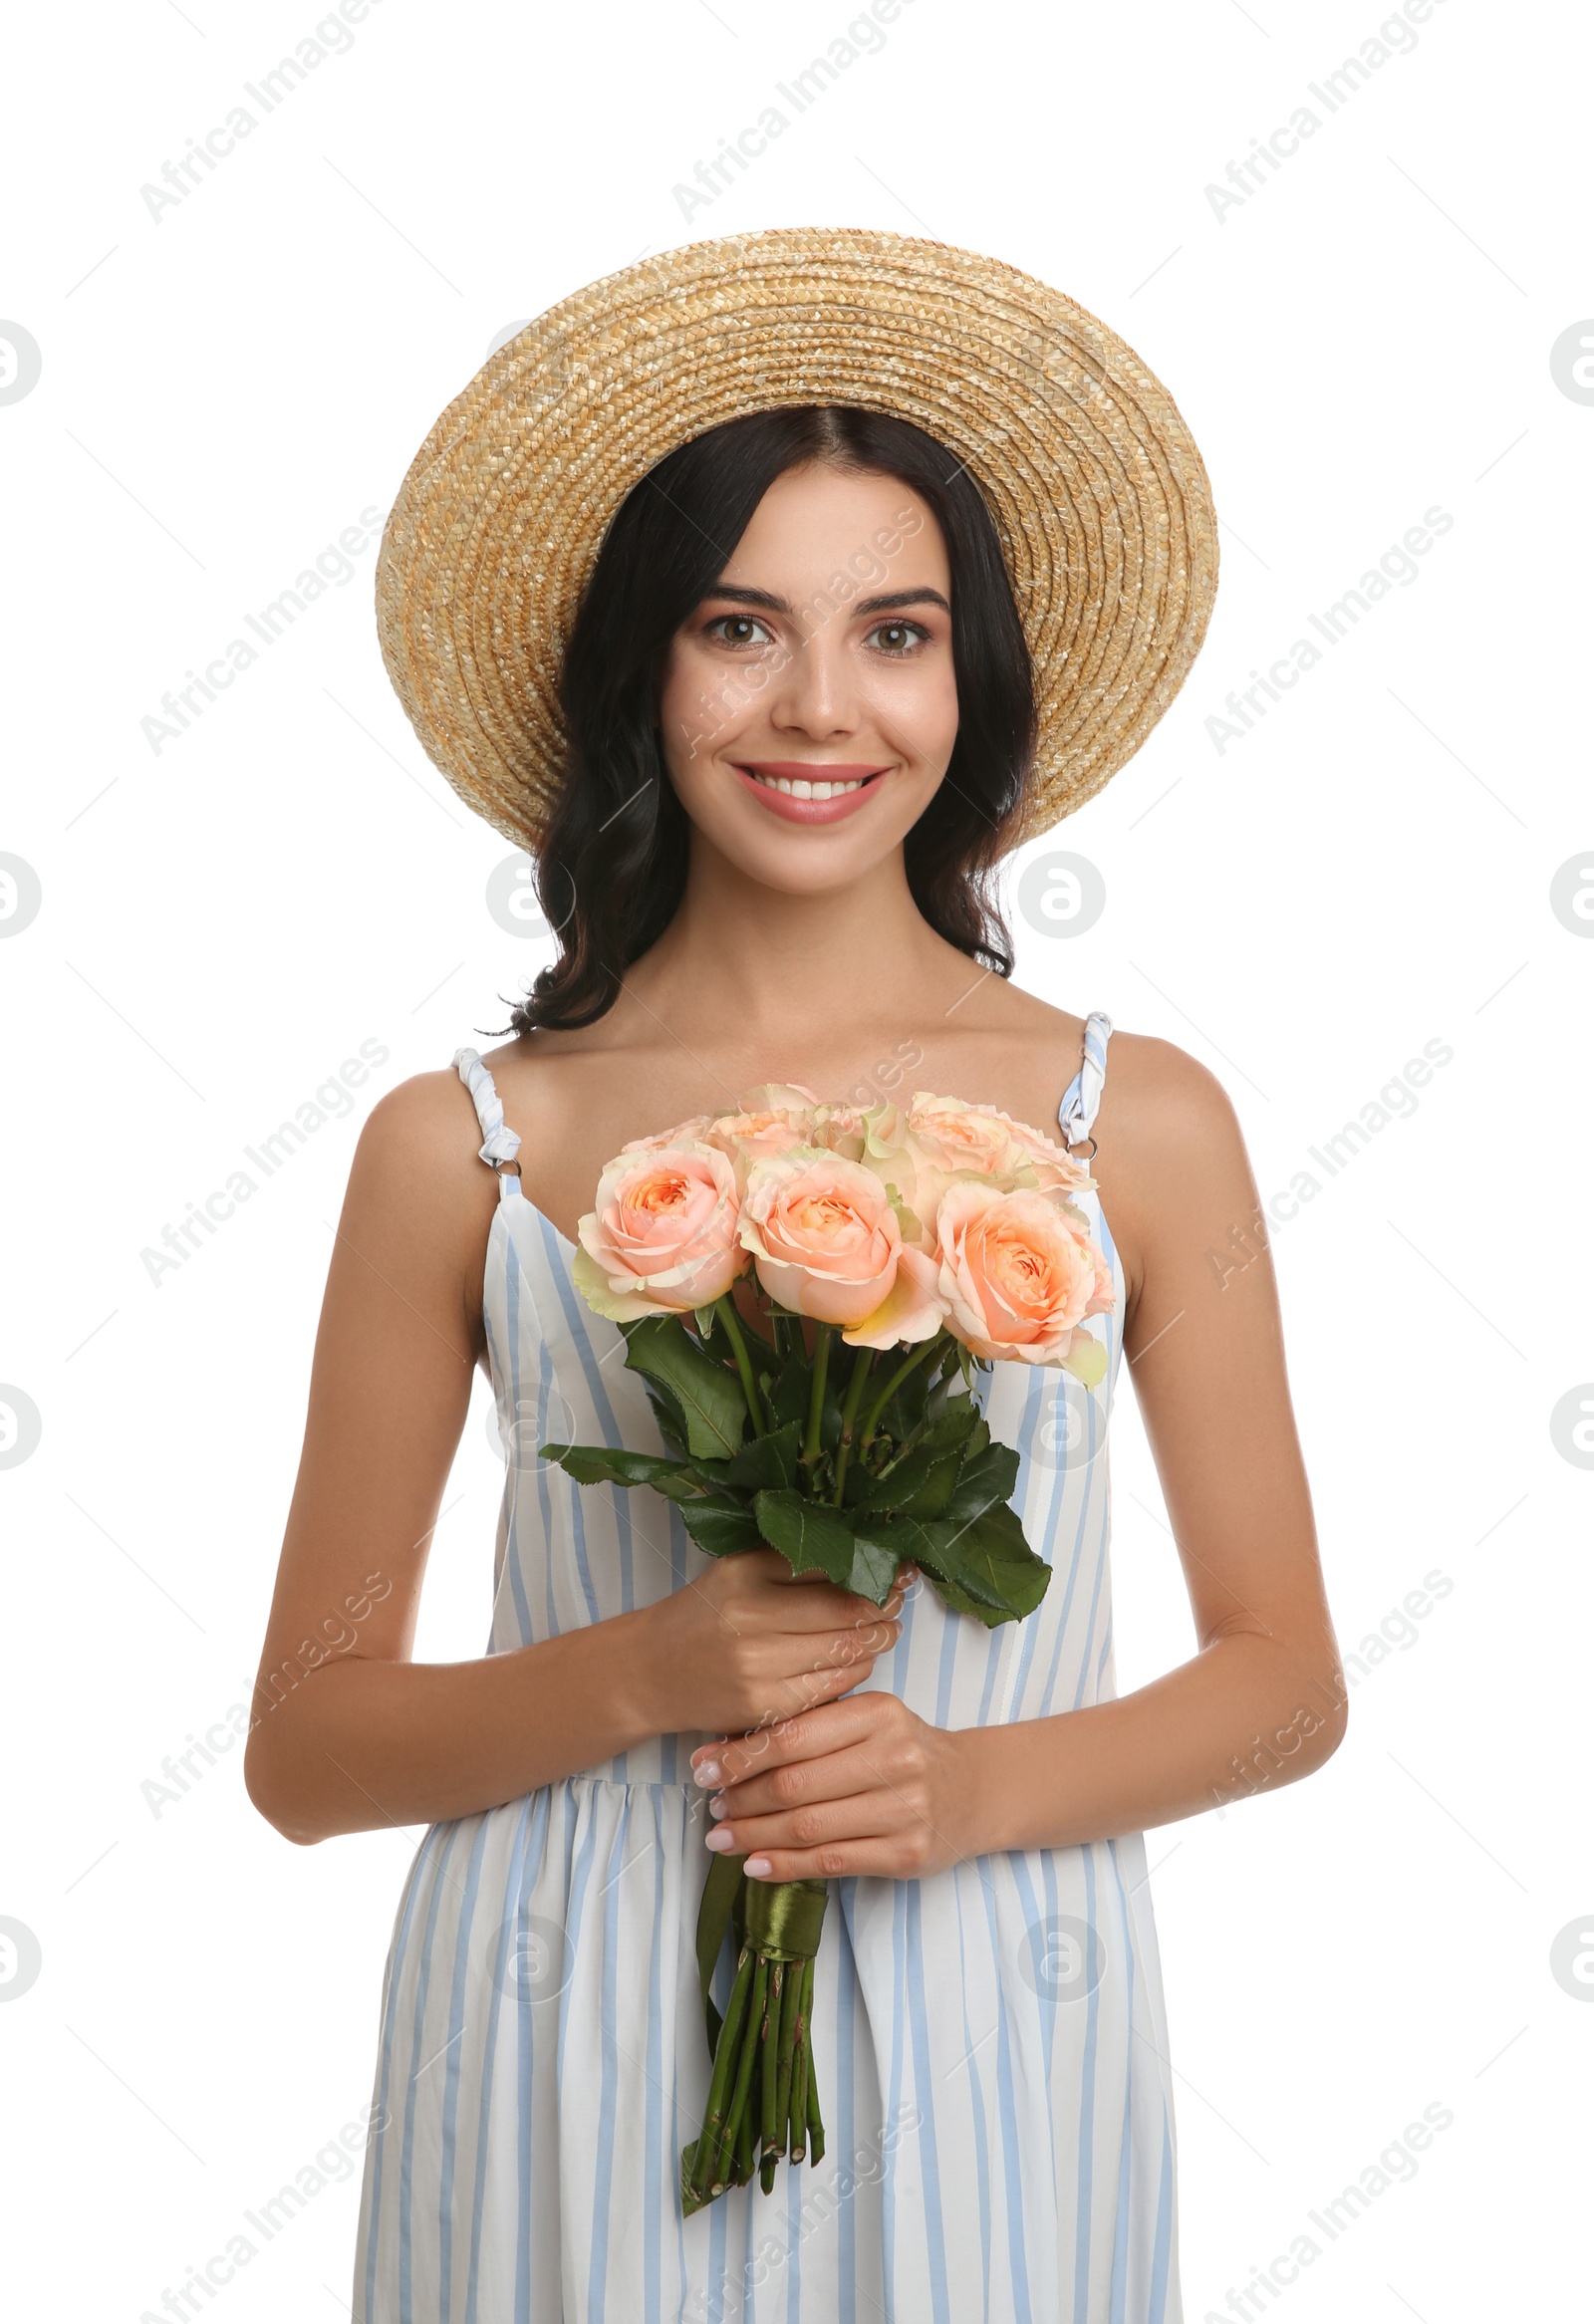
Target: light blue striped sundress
column 989, row 2043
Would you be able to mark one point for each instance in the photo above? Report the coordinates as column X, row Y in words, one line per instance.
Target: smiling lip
column 763, row 776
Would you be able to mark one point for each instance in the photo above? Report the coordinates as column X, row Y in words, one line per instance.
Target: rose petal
column 911, row 1311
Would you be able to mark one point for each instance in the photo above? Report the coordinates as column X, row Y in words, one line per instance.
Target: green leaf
column 918, row 1485
column 960, row 1426
column 667, row 1413
column 766, row 1463
column 934, row 1546
column 807, row 1535
column 600, row 1465
column 929, row 1499
column 997, row 1562
column 721, row 1528
column 900, row 1480
column 692, row 1481
column 711, row 1397
column 986, row 1481
column 987, row 1561
column 960, row 1603
column 876, row 1558
column 673, row 1476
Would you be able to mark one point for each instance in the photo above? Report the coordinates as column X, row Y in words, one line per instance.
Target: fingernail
column 707, row 1773
column 719, row 1807
column 719, row 1838
column 758, row 1866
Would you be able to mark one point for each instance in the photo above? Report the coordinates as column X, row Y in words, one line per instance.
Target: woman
column 770, row 676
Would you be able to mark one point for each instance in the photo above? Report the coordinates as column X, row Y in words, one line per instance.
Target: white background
column 225, row 389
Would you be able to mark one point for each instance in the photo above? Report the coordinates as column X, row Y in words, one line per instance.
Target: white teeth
column 799, row 789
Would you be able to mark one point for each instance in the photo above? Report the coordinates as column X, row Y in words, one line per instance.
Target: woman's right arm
column 348, row 1734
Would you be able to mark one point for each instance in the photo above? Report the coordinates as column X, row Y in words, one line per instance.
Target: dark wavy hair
column 612, row 868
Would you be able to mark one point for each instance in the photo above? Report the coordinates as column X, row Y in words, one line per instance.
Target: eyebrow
column 865, row 605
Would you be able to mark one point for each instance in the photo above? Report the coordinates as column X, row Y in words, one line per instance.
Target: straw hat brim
column 1098, row 491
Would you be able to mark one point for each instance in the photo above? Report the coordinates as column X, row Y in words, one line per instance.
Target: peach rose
column 942, row 1134
column 919, row 1149
column 1019, row 1274
column 683, row 1133
column 662, row 1237
column 840, row 1130
column 1054, row 1166
column 771, row 1120
column 778, row 1097
column 826, row 1243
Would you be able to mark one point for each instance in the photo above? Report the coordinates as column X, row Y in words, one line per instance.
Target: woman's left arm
column 863, row 1785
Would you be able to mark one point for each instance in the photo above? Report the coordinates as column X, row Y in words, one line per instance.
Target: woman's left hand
column 861, row 1785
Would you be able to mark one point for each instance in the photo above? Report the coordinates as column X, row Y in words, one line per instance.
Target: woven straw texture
column 1095, row 482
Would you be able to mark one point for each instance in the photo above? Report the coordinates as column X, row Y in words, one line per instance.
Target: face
column 809, row 707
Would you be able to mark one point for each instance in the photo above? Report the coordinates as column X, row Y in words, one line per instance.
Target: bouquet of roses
column 928, row 1240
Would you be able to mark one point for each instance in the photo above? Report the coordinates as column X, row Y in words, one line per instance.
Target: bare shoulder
column 1156, row 1091
column 1170, row 1157
column 419, row 1201
column 424, row 1133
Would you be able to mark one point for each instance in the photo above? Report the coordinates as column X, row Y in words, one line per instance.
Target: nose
column 815, row 692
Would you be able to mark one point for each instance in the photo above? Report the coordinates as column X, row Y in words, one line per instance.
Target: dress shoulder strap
column 1084, row 1093
column 500, row 1144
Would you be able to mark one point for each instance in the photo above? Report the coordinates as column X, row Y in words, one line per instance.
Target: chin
column 801, row 865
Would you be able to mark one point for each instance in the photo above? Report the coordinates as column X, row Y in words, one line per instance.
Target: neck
column 774, row 960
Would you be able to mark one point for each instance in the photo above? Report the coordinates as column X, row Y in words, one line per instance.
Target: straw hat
column 1095, row 483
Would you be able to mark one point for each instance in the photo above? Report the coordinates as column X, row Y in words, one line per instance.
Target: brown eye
column 738, row 630
column 898, row 637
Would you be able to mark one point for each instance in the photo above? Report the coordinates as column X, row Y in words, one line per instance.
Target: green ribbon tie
column 782, row 1918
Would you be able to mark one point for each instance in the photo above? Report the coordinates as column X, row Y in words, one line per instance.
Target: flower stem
column 704, row 2174
column 725, row 1309
column 816, row 1396
column 803, row 2064
column 816, row 2128
column 872, row 1419
column 849, row 1414
column 769, row 2041
column 725, row 2167
column 799, row 2076
column 789, row 2003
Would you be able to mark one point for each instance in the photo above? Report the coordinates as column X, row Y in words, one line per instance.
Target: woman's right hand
column 750, row 1642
